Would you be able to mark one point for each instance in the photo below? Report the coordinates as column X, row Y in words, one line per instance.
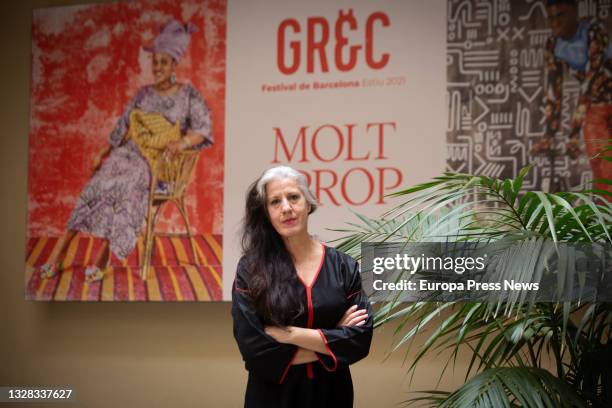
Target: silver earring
column 173, row 78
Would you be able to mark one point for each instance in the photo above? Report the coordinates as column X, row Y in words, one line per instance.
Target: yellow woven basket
column 152, row 133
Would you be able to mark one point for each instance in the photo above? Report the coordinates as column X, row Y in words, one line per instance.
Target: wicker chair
column 175, row 176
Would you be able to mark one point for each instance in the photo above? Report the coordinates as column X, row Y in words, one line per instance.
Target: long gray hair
column 273, row 280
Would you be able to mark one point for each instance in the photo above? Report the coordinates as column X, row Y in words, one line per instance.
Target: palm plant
column 523, row 354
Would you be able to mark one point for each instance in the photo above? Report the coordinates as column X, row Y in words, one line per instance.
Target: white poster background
column 415, row 42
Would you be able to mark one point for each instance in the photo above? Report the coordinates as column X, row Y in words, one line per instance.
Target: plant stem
column 556, row 348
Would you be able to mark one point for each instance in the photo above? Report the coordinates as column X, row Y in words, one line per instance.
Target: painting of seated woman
column 125, row 194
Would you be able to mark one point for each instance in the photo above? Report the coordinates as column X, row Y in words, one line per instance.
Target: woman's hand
column 309, row 339
column 353, row 317
column 304, row 356
column 280, row 334
column 174, row 148
column 188, row 140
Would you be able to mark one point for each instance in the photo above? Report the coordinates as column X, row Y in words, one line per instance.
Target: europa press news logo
column 316, row 37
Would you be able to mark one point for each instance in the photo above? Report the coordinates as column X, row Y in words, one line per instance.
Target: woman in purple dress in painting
column 113, row 204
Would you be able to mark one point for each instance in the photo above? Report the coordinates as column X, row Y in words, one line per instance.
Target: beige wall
column 136, row 355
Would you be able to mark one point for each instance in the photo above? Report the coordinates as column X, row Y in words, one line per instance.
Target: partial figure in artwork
column 162, row 120
column 583, row 49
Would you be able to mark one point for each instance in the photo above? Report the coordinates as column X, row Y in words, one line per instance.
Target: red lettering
column 381, row 182
column 289, row 155
column 294, row 45
column 349, row 137
column 308, row 178
column 346, row 55
column 321, row 150
column 370, row 186
column 342, row 41
column 354, row 183
column 317, row 46
column 381, row 137
column 315, row 149
column 369, row 40
column 319, row 189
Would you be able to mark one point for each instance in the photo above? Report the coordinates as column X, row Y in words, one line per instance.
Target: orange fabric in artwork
column 597, row 131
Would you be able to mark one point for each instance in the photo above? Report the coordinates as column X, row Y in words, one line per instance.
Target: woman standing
column 300, row 314
column 113, row 204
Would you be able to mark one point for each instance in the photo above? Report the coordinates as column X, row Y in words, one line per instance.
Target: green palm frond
column 476, row 207
column 511, row 340
column 507, row 387
column 494, row 340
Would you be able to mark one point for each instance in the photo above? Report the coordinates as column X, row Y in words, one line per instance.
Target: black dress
column 273, row 380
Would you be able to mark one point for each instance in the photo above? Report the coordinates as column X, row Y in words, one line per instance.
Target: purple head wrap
column 173, row 39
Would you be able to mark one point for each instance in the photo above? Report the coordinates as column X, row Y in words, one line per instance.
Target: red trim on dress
column 331, row 354
column 318, row 271
column 309, row 371
column 238, row 289
column 353, row 294
column 288, row 366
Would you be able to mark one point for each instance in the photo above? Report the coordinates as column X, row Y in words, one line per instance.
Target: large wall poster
column 94, row 74
column 497, row 89
column 350, row 93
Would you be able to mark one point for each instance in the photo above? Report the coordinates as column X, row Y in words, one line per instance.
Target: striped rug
column 174, row 275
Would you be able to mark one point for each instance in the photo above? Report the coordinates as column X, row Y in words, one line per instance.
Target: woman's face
column 163, row 67
column 287, row 207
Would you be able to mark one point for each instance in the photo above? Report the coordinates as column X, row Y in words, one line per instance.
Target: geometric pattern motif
column 174, row 275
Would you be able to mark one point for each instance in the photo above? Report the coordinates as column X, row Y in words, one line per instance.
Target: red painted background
column 87, row 63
